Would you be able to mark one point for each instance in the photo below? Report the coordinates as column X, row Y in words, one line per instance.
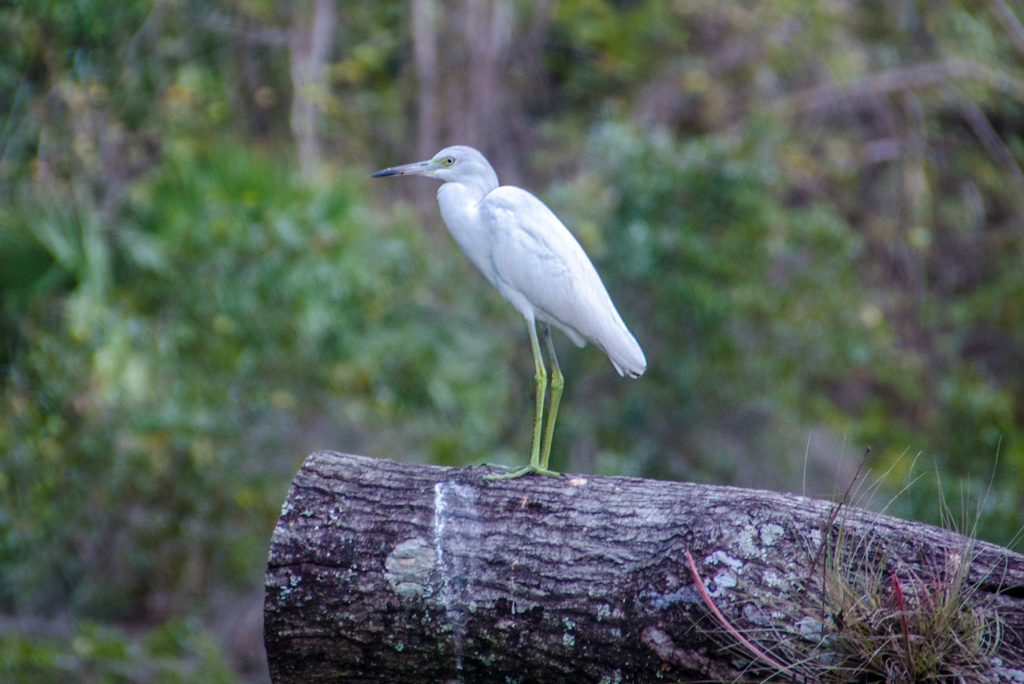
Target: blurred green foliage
column 176, row 651
column 184, row 317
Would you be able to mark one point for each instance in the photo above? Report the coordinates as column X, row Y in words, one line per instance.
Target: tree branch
column 1011, row 23
column 917, row 77
column 256, row 35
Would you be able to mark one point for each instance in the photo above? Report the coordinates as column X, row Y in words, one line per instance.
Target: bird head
column 455, row 164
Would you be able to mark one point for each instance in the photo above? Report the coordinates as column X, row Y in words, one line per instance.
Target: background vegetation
column 810, row 212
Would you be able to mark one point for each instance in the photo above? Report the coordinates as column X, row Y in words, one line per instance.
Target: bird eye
column 448, row 161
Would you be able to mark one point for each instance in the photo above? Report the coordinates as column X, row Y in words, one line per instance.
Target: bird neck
column 472, row 189
column 460, row 209
column 464, row 195
column 458, row 201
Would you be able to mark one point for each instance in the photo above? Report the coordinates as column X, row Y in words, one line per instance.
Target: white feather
column 535, row 256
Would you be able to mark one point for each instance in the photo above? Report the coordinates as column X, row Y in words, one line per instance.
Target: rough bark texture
column 388, row 572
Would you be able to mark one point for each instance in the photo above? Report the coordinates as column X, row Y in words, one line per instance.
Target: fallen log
column 396, row 572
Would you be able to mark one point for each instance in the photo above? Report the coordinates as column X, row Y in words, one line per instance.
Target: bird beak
column 421, row 168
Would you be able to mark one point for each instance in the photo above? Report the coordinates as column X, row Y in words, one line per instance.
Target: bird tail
column 625, row 354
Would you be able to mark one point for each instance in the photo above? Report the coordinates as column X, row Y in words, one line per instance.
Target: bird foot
column 514, row 473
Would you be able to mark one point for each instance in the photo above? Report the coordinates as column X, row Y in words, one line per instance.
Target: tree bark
column 424, row 49
column 387, row 572
column 309, row 47
column 477, row 39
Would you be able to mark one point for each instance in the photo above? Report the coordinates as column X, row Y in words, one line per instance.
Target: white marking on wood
column 456, row 525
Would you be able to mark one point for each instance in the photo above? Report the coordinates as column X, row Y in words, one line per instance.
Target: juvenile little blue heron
column 536, row 264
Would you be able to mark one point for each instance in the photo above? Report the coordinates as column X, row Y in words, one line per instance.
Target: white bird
column 536, row 264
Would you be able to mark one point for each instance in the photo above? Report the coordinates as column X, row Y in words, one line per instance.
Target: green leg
column 542, row 386
column 538, row 417
column 557, row 383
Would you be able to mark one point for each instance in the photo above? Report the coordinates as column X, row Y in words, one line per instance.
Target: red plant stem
column 902, row 605
column 725, row 623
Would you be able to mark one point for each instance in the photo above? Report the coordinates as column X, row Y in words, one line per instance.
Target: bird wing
column 535, row 258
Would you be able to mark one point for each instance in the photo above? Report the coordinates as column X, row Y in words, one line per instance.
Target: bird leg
column 536, row 466
column 542, row 387
column 557, row 383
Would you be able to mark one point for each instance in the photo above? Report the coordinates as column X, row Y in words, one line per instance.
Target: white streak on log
column 455, row 514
